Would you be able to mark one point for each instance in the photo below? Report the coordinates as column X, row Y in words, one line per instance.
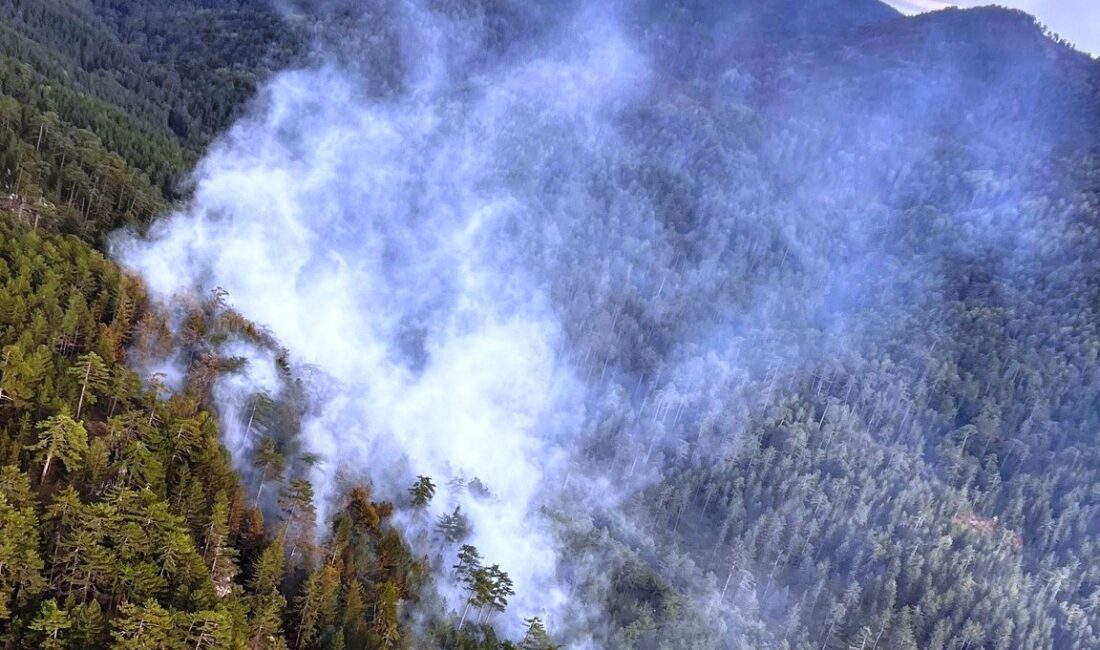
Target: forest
column 811, row 290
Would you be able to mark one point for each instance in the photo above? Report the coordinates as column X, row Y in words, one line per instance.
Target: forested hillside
column 806, row 294
column 106, row 105
column 123, row 522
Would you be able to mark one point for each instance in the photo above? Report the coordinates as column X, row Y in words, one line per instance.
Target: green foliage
column 93, row 376
column 105, row 104
column 269, row 461
column 454, row 527
column 21, row 564
column 422, row 492
column 51, row 624
column 929, row 494
column 138, row 533
column 536, row 638
column 61, row 438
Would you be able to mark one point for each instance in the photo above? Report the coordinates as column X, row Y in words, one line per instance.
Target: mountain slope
column 819, row 284
column 105, row 105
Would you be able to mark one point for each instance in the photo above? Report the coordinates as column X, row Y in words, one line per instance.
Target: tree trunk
column 726, row 586
column 46, row 468
column 298, row 638
column 83, row 389
column 881, row 629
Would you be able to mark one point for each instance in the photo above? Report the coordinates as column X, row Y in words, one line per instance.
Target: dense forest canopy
column 492, row 324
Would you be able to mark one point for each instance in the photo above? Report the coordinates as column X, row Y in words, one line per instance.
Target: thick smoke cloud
column 388, row 241
column 557, row 250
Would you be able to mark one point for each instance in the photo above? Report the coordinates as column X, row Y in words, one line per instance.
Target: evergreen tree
column 536, row 637
column 20, row 563
column 219, row 556
column 422, row 492
column 296, row 501
column 146, row 627
column 454, row 527
column 269, row 461
column 51, row 623
column 61, row 438
column 94, row 378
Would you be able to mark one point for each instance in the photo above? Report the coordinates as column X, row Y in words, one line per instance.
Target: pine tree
column 20, row 563
column 901, row 632
column 316, row 607
column 265, row 621
column 269, row 460
column 355, row 632
column 500, row 588
column 219, row 556
column 266, row 604
column 60, row 437
column 296, row 502
column 468, row 571
column 94, row 378
column 422, row 492
column 208, row 630
column 386, row 615
column 51, row 623
column 89, row 631
column 454, row 527
column 268, row 572
column 536, row 637
column 145, row 627
column 17, row 375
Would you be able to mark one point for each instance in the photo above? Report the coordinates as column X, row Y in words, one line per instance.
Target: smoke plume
column 554, row 249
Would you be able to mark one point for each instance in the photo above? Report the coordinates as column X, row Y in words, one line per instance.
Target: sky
column 1075, row 20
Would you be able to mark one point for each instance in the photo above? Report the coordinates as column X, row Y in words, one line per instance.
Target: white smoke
column 537, row 251
column 376, row 238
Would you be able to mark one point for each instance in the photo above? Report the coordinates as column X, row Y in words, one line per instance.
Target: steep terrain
column 106, row 105
column 810, row 289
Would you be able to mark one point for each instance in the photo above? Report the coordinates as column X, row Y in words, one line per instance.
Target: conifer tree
column 269, row 461
column 266, row 604
column 16, row 377
column 316, row 607
column 61, row 438
column 51, row 623
column 386, row 615
column 89, row 630
column 422, row 492
column 536, row 637
column 454, row 527
column 21, row 564
column 296, row 501
column 219, row 556
column 145, row 627
column 468, row 571
column 94, row 378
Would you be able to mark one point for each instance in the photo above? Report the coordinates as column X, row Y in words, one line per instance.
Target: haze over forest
column 488, row 324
